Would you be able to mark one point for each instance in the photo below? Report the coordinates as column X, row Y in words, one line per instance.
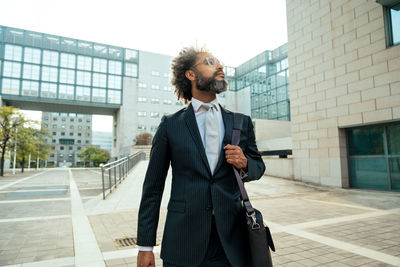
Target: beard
column 210, row 84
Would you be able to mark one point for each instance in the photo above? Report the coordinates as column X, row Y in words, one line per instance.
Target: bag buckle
column 255, row 225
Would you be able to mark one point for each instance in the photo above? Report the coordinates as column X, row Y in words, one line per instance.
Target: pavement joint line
column 23, row 179
column 341, row 204
column 341, row 219
column 32, row 200
column 27, row 191
column 365, row 252
column 66, row 261
column 125, row 253
column 86, row 249
column 26, row 219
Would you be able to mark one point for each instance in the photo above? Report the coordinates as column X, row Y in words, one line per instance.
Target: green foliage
column 15, row 130
column 94, row 154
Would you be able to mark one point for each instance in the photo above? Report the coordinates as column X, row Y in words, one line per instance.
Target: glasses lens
column 210, row 61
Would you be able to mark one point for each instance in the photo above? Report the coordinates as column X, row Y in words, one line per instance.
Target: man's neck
column 203, row 96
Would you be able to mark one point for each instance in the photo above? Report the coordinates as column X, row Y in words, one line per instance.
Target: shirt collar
column 197, row 104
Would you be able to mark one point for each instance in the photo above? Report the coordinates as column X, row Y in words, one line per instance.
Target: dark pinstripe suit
column 195, row 191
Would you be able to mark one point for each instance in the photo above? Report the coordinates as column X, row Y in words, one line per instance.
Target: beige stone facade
column 341, row 75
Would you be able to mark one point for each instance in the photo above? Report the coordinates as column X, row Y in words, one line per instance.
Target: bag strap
column 237, row 127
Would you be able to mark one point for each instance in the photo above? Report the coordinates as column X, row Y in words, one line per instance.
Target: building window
column 79, row 148
column 10, row 86
column 67, row 76
column 30, row 88
column 54, row 133
column 67, row 60
column 100, row 65
column 84, row 63
column 61, row 147
column 131, row 69
column 32, row 55
column 49, row 74
column 142, row 85
column 130, row 54
column 66, row 91
column 114, row 81
column 54, row 119
column 71, row 134
column 70, row 148
column 141, row 127
column 12, row 69
column 154, row 114
column 167, row 102
column 142, row 114
column 54, row 126
column 61, row 155
column 82, row 93
column 31, row 72
column 71, row 127
column 391, row 16
column 79, row 134
column 13, row 52
column 99, row 95
column 62, row 133
column 155, row 73
column 114, row 97
column 114, row 67
column 72, row 119
column 54, row 141
column 155, row 87
column 142, row 99
column 79, row 141
column 99, row 80
column 167, row 88
column 50, row 58
column 155, row 101
column 83, row 78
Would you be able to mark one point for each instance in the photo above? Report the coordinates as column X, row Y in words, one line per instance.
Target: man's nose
column 219, row 66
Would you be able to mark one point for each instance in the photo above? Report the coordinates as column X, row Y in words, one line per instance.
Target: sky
column 234, row 31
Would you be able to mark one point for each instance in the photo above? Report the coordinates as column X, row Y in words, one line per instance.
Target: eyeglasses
column 210, row 61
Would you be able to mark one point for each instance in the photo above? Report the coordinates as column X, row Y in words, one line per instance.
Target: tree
column 42, row 150
column 10, row 121
column 143, row 139
column 25, row 144
column 94, row 154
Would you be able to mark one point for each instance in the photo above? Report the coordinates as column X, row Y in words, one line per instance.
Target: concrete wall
column 279, row 167
column 271, row 129
column 341, row 74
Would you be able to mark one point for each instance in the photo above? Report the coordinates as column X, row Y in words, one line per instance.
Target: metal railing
column 117, row 171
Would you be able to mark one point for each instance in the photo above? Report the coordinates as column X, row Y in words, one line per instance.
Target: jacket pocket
column 177, row 206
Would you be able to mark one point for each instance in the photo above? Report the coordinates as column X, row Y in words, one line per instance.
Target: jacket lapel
column 191, row 123
column 227, row 117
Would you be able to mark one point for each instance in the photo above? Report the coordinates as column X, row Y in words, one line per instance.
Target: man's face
column 209, row 74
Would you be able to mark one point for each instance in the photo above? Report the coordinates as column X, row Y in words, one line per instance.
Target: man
column 205, row 224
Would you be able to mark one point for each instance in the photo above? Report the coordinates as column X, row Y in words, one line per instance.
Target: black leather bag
column 259, row 236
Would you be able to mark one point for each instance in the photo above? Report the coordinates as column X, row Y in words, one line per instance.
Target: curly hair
column 180, row 64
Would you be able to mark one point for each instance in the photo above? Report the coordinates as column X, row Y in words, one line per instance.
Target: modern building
column 265, row 79
column 70, row 133
column 344, row 61
column 52, row 73
column 102, row 140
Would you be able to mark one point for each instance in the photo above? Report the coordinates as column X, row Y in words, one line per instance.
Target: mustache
column 218, row 73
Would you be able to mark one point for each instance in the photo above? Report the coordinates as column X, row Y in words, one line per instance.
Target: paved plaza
column 56, row 217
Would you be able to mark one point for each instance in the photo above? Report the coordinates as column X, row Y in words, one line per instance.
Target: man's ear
column 190, row 75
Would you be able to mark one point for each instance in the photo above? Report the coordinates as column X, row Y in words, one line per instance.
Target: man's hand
column 145, row 259
column 234, row 155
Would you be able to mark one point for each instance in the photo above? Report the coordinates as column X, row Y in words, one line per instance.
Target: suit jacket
column 195, row 191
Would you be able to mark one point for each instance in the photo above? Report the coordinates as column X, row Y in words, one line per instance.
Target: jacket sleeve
column 255, row 164
column 153, row 187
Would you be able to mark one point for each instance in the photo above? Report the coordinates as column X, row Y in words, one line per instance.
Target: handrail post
column 109, row 178
column 102, row 180
column 115, row 176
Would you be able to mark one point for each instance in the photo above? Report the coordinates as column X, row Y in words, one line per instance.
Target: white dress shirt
column 200, row 114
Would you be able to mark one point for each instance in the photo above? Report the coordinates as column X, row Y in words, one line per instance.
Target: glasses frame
column 210, row 61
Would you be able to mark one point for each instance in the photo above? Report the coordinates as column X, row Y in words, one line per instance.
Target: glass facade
column 267, row 77
column 46, row 66
column 374, row 157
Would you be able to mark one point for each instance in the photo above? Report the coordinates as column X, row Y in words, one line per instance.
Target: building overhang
column 57, row 105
